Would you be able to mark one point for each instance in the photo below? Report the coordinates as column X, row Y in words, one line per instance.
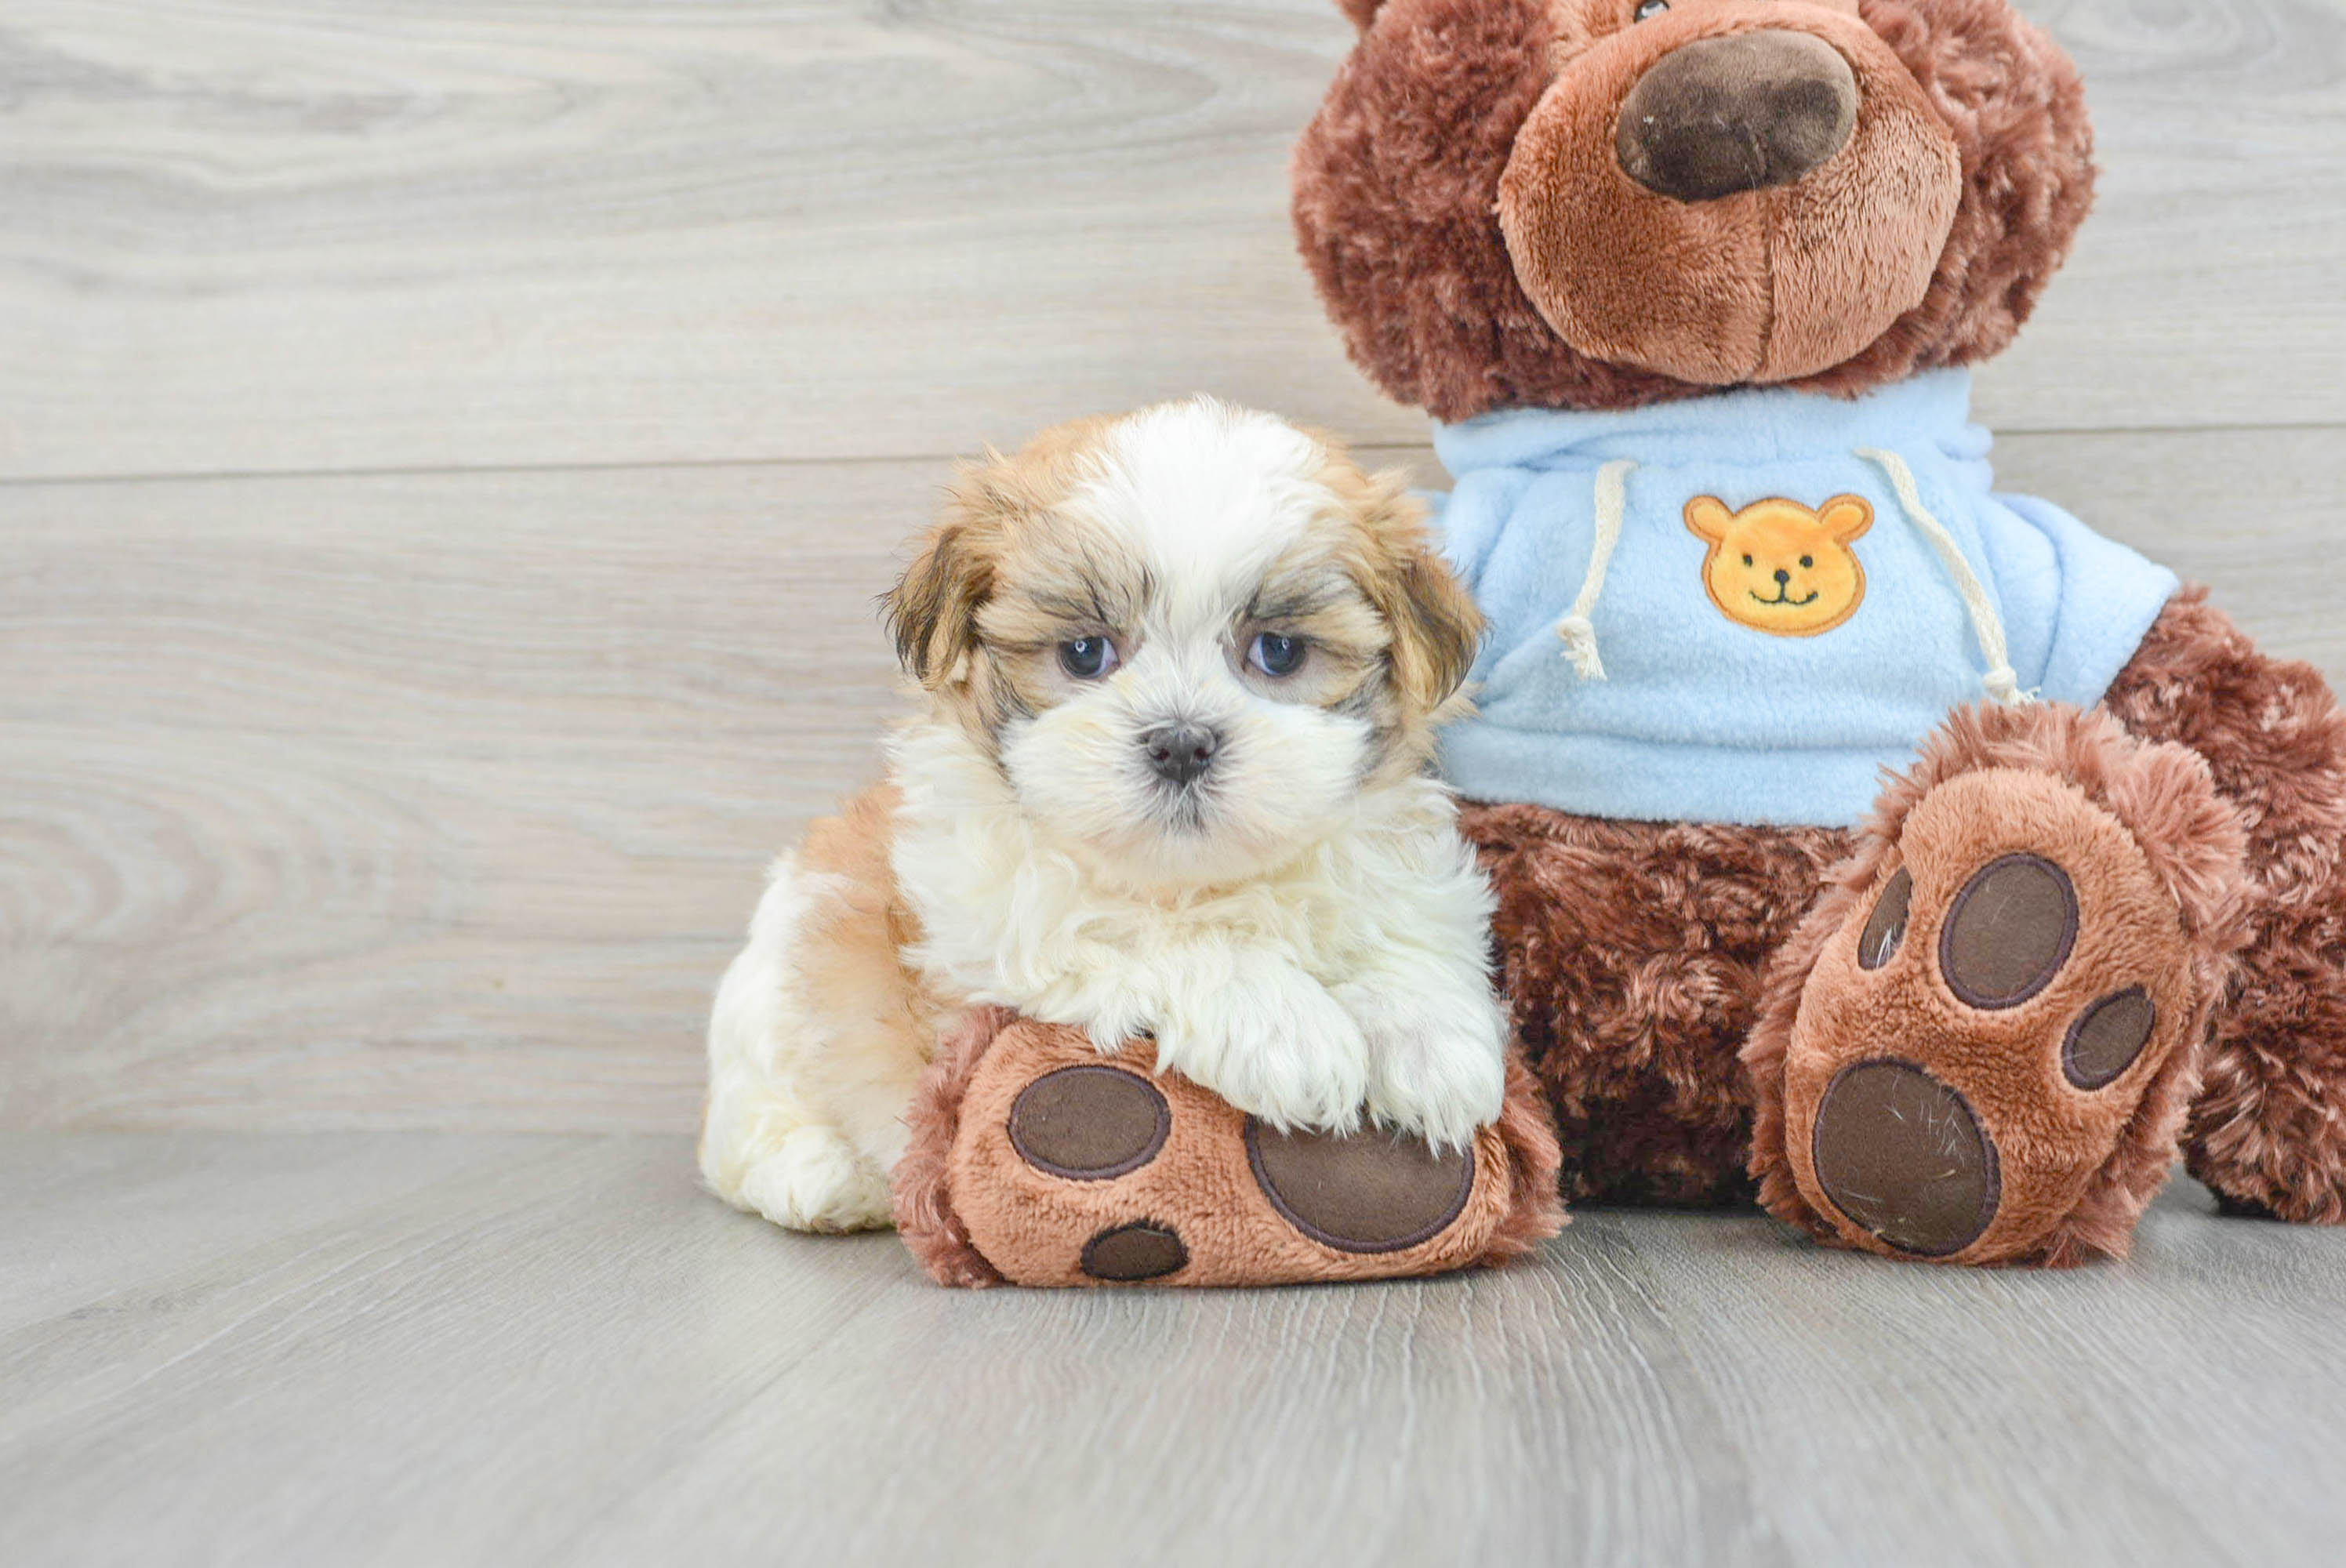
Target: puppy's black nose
column 1783, row 575
column 1722, row 115
column 1180, row 752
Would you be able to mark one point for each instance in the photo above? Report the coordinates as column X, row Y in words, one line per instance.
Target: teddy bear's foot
column 1986, row 1038
column 1035, row 1160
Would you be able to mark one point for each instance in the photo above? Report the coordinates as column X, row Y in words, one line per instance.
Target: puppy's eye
column 1649, row 9
column 1746, row 560
column 1276, row 655
column 1087, row 659
column 1808, row 560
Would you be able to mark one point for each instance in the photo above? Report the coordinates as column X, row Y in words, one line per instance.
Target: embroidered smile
column 1784, row 597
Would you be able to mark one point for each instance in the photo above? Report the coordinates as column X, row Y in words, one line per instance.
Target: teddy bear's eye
column 1746, row 560
column 1645, row 12
column 1808, row 560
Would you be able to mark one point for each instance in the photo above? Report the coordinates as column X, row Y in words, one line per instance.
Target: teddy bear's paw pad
column 1904, row 1158
column 1365, row 1192
column 1089, row 1124
column 1140, row 1250
column 1973, row 1045
column 1064, row 1166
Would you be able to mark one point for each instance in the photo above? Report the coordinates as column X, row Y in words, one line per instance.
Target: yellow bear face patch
column 1778, row 567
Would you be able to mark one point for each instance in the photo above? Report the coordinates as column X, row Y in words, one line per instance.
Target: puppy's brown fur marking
column 996, row 586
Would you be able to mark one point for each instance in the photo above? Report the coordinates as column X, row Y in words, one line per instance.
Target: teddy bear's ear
column 1846, row 518
column 1361, row 12
column 1707, row 517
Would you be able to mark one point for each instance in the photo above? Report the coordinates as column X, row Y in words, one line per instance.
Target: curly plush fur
column 1396, row 183
column 2194, row 844
column 1632, row 954
column 2268, row 1130
column 1637, row 957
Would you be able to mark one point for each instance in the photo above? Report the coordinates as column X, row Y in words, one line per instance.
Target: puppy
column 1181, row 673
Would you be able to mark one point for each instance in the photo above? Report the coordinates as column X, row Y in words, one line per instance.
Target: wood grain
column 459, row 1350
column 440, row 800
column 305, row 235
column 367, row 800
column 447, row 455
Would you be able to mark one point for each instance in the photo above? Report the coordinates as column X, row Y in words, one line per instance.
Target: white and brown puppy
column 1182, row 672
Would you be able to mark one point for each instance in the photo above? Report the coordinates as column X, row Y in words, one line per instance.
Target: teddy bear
column 1896, row 851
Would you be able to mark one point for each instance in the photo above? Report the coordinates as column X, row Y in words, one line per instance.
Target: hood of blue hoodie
column 1694, row 698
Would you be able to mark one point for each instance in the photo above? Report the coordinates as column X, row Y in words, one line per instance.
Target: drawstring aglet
column 1579, row 635
column 2003, row 684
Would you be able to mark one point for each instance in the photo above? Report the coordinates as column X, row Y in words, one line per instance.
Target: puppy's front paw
column 1274, row 1044
column 812, row 1179
column 1437, row 1061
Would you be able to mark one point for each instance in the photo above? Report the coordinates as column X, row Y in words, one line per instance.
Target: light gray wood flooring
column 447, row 453
column 482, row 1349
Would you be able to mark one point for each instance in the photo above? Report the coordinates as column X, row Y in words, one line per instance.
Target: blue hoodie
column 1798, row 590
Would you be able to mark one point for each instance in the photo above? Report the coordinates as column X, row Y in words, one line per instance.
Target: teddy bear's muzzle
column 1722, row 115
column 1729, row 193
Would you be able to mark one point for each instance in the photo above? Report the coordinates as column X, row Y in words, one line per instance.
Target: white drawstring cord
column 2002, row 681
column 1577, row 630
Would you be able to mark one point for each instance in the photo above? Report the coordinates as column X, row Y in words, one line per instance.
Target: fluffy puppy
column 1182, row 672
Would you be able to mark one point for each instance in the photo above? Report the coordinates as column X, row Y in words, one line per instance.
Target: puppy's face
column 1188, row 637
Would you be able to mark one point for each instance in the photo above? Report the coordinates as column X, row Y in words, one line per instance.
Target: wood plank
column 2113, row 1414
column 440, row 800
column 404, row 799
column 302, row 235
column 1544, row 1415
column 558, row 1349
column 447, row 1376
column 97, row 1213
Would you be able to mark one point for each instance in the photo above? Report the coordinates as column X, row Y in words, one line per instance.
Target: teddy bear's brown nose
column 1720, row 116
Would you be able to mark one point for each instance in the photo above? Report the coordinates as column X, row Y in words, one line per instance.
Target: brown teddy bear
column 1689, row 284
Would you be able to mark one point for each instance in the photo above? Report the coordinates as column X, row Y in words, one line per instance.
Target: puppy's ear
column 1435, row 626
column 1436, row 630
column 933, row 609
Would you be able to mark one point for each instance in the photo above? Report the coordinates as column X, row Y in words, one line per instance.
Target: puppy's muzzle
column 1180, row 752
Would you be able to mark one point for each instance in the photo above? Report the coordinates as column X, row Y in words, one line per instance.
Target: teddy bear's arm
column 2267, row 1129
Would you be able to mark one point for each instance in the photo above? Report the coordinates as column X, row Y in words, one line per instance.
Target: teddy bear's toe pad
column 1089, row 1123
column 1904, row 1158
column 1132, row 1252
column 1365, row 1192
column 1037, row 1160
column 1970, row 1048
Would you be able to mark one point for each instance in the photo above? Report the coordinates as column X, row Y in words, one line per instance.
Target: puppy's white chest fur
column 1009, row 917
column 1349, row 978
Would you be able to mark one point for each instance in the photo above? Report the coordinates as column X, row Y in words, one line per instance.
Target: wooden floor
column 447, row 453
column 509, row 1349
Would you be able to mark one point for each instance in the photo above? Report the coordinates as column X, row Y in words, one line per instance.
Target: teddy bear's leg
column 2268, row 1130
column 1630, row 955
column 1981, row 1044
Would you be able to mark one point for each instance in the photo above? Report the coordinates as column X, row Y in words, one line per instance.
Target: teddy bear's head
column 1601, row 203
